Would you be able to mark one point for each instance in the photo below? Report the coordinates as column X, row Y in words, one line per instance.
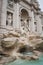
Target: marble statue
column 9, row 19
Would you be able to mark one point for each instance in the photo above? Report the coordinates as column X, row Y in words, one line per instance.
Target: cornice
column 31, row 3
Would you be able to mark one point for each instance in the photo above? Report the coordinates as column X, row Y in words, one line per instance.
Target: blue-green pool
column 26, row 62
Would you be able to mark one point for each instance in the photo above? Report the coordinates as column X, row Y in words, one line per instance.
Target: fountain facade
column 20, row 29
column 16, row 14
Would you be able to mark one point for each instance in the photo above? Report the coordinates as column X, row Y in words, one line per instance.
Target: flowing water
column 26, row 62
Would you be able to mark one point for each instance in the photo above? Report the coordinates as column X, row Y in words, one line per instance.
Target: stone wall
column 18, row 6
column 0, row 10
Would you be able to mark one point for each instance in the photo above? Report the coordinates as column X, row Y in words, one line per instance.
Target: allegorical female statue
column 9, row 19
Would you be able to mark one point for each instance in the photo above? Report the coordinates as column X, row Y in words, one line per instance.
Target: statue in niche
column 9, row 19
column 25, row 24
column 22, row 22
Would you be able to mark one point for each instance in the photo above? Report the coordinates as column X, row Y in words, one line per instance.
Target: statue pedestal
column 9, row 28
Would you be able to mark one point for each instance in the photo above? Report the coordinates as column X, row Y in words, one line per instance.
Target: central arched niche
column 24, row 14
column 24, row 17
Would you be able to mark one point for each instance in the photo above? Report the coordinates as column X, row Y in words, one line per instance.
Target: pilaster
column 3, row 17
column 32, row 20
column 0, row 10
column 17, row 17
column 39, row 26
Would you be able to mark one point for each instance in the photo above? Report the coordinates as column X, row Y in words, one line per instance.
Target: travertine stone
column 30, row 6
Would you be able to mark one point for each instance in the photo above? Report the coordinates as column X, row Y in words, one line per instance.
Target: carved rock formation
column 14, row 44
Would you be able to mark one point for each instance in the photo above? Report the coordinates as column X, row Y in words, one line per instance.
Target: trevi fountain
column 21, row 32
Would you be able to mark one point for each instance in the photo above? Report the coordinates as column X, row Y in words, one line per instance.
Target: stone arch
column 24, row 14
column 24, row 17
column 24, row 9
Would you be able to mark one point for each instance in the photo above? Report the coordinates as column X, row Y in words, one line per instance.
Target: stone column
column 39, row 26
column 30, row 27
column 17, row 17
column 14, row 16
column 0, row 10
column 3, row 17
column 31, row 22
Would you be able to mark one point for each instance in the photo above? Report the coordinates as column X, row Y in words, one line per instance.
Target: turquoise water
column 26, row 62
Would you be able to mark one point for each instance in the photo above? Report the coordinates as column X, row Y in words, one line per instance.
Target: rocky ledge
column 14, row 44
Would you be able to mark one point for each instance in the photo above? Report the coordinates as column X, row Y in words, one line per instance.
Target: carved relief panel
column 10, row 4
